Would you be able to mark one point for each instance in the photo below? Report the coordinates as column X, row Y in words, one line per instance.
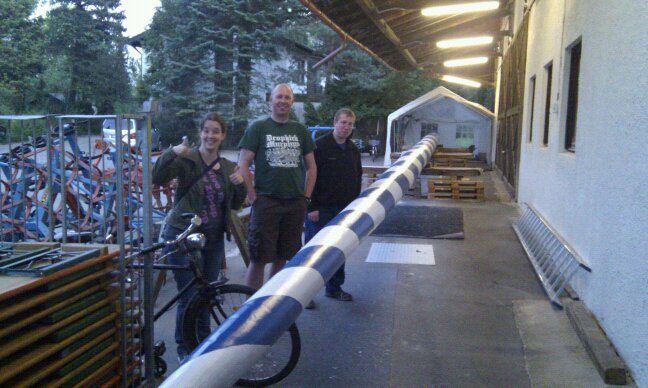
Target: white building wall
column 596, row 197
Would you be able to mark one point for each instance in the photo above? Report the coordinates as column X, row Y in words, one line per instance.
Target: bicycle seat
column 22, row 149
column 68, row 129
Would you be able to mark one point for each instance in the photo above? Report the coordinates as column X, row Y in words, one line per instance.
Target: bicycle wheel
column 208, row 309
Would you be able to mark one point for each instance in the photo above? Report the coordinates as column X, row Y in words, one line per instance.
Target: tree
column 86, row 48
column 202, row 54
column 21, row 62
column 311, row 115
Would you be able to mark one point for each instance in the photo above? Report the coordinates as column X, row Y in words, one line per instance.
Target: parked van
column 133, row 133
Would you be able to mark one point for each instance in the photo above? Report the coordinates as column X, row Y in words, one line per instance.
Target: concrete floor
column 478, row 317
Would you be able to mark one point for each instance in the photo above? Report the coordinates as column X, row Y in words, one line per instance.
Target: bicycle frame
column 197, row 279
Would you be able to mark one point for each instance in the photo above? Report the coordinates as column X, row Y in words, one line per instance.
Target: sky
column 138, row 14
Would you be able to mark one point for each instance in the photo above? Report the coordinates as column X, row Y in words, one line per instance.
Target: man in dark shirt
column 339, row 178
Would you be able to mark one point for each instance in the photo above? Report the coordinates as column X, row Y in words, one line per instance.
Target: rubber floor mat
column 422, row 222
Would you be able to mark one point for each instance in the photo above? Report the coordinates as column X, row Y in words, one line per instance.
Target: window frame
column 549, row 75
column 532, row 91
column 572, row 70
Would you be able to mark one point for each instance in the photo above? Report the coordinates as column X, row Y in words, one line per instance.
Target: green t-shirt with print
column 279, row 149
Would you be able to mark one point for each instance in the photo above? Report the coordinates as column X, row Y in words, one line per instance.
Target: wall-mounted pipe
column 230, row 351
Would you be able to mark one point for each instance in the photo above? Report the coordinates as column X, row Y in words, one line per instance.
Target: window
column 427, row 128
column 548, row 71
column 300, row 72
column 465, row 136
column 572, row 97
column 532, row 84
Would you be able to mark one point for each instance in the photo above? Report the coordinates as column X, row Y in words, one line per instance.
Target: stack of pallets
column 451, row 157
column 61, row 328
column 450, row 162
column 454, row 188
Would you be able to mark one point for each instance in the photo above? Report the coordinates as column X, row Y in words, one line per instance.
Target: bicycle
column 217, row 301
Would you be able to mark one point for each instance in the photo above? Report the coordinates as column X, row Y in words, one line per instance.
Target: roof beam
column 369, row 8
column 343, row 34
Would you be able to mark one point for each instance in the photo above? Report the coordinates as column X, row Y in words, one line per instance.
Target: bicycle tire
column 222, row 302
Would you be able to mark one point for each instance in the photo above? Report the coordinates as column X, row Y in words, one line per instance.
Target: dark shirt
column 339, row 173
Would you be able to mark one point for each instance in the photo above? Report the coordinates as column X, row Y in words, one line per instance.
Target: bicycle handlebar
column 195, row 223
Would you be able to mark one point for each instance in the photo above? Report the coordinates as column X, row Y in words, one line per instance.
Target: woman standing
column 208, row 186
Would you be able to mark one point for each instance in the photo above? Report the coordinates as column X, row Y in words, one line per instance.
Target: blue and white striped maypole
column 229, row 352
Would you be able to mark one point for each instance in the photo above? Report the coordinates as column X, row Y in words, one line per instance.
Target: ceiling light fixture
column 465, row 62
column 460, row 8
column 461, row 81
column 464, row 42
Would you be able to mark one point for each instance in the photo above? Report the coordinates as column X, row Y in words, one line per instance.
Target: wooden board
column 35, row 354
column 373, row 171
column 453, row 188
column 24, row 339
column 453, row 155
column 60, row 369
column 30, row 316
column 12, row 286
column 21, row 303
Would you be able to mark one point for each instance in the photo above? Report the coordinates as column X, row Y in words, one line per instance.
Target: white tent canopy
column 457, row 121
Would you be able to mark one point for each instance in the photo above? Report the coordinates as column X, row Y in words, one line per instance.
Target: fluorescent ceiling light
column 480, row 6
column 465, row 62
column 461, row 81
column 464, row 42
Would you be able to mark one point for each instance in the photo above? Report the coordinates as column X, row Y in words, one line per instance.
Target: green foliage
column 201, row 55
column 84, row 41
column 21, row 61
column 75, row 51
column 311, row 114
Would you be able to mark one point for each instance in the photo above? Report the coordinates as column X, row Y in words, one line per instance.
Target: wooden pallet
column 450, row 162
column 453, row 188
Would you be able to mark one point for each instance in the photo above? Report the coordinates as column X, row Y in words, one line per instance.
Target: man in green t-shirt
column 278, row 192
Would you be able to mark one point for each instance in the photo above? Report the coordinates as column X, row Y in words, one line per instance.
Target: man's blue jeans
column 211, row 261
column 326, row 214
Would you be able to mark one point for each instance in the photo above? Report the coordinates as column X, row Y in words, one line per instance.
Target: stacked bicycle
column 217, row 300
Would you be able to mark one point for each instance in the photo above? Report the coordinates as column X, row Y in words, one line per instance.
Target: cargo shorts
column 275, row 230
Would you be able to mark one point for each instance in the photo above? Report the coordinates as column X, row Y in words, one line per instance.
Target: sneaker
column 310, row 305
column 182, row 353
column 340, row 295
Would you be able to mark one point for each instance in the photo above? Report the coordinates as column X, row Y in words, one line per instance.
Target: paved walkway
column 477, row 317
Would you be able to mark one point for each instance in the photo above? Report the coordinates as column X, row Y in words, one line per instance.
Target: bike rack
column 50, row 188
column 252, row 330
